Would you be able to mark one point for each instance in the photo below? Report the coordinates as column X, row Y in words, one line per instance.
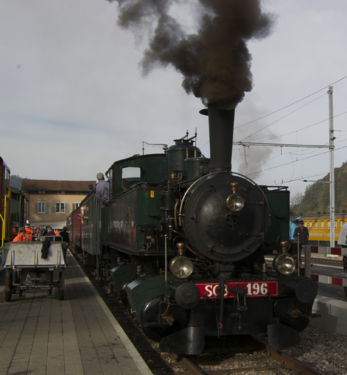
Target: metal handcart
column 25, row 269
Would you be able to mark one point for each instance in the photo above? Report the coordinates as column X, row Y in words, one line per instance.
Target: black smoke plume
column 215, row 62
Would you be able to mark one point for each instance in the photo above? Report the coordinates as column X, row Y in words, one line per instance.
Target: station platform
column 79, row 336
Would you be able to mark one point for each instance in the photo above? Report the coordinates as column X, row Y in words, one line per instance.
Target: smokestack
column 221, row 127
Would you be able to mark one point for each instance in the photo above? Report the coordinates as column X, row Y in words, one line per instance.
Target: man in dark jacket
column 65, row 235
column 302, row 233
column 50, row 235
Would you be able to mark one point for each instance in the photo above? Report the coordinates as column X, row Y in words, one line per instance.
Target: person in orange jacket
column 28, row 232
column 20, row 236
column 56, row 232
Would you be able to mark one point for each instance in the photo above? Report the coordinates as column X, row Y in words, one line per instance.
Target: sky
column 73, row 98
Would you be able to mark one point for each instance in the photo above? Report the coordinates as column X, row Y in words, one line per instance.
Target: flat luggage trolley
column 27, row 269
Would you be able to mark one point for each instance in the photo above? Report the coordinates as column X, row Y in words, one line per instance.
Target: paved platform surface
column 41, row 335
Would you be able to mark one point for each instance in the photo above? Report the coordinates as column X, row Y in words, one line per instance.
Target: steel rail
column 287, row 361
column 187, row 365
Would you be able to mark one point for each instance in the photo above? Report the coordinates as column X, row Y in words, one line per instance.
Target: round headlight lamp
column 284, row 264
column 181, row 267
column 235, row 202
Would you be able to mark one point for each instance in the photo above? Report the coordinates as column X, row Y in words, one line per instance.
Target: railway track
column 252, row 358
column 222, row 356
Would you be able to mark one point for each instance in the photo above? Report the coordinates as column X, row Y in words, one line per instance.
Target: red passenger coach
column 5, row 211
column 76, row 229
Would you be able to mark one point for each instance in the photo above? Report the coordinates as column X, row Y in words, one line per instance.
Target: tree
column 295, row 201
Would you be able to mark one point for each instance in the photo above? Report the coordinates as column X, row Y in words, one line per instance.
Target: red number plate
column 252, row 288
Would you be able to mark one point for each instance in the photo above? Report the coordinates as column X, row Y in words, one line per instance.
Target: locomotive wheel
column 150, row 319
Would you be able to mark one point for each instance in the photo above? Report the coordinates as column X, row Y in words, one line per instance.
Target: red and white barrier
column 329, row 280
column 333, row 250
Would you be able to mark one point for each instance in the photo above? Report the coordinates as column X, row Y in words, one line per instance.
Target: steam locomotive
column 184, row 238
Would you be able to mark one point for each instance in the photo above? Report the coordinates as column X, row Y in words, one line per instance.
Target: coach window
column 322, row 224
column 328, row 224
column 310, row 224
column 335, row 224
column 316, row 225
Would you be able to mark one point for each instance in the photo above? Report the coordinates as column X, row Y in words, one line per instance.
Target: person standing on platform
column 50, row 235
column 28, row 232
column 102, row 188
column 65, row 235
column 301, row 233
column 20, row 236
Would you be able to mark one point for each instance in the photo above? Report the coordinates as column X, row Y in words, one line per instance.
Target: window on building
column 322, row 224
column 75, row 205
column 316, row 225
column 41, row 208
column 60, row 208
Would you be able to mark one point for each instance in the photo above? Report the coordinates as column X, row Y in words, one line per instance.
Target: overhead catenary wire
column 288, row 114
column 308, row 126
column 289, row 105
column 309, row 157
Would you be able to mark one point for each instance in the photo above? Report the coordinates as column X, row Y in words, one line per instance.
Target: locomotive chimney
column 221, row 127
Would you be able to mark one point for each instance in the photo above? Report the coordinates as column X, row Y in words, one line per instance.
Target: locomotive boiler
column 185, row 239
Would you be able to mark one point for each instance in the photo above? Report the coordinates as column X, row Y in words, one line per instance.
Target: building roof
column 53, row 185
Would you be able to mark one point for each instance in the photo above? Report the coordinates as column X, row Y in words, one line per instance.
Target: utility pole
column 246, row 151
column 332, row 174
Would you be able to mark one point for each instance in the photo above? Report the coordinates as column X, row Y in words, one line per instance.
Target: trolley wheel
column 8, row 296
column 61, row 295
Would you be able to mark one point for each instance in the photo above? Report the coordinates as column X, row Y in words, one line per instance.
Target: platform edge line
column 138, row 360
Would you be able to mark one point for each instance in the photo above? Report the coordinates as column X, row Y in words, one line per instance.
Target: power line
column 295, row 161
column 288, row 114
column 308, row 126
column 289, row 105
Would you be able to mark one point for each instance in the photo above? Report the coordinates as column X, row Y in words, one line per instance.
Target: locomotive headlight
column 284, row 264
column 181, row 267
column 235, row 202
